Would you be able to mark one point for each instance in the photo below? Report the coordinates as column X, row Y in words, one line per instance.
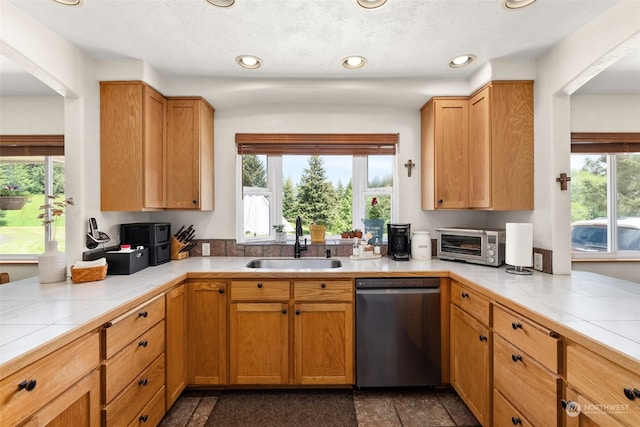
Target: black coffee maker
column 399, row 245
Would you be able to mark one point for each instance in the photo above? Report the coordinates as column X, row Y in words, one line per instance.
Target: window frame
column 358, row 146
column 609, row 144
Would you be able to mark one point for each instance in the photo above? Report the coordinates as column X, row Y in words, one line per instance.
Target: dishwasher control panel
column 397, row 282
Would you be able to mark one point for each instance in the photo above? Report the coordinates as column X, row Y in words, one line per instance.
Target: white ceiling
column 303, row 42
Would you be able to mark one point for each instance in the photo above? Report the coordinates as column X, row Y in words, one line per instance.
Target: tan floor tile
column 375, row 410
column 202, row 412
column 421, row 410
column 180, row 412
column 458, row 410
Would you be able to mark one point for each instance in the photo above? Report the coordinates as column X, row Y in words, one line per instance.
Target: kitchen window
column 605, row 196
column 28, row 165
column 329, row 179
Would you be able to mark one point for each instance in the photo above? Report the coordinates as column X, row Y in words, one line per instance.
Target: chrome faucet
column 297, row 248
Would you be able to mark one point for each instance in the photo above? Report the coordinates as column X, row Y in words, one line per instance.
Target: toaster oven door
column 464, row 246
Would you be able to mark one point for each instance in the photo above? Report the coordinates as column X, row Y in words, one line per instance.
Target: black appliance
column 398, row 332
column 153, row 235
column 399, row 243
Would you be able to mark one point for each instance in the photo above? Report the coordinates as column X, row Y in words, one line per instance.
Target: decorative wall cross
column 563, row 179
column 409, row 165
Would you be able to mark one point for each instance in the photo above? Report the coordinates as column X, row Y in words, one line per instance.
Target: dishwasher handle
column 396, row 291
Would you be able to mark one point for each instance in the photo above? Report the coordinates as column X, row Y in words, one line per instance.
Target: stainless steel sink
column 294, row 263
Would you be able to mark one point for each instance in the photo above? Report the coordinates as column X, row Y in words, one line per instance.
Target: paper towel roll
column 519, row 250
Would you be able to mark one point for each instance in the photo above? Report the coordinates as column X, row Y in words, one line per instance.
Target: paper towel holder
column 519, row 247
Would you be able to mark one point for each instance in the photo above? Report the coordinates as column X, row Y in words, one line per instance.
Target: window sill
column 19, row 259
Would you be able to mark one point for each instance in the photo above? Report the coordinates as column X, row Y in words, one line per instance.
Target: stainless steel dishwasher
column 397, row 332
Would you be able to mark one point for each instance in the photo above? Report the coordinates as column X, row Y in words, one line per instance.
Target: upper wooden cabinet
column 155, row 152
column 189, row 154
column 445, row 157
column 132, row 147
column 477, row 152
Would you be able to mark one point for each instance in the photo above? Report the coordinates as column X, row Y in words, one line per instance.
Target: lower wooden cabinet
column 581, row 412
column 79, row 406
column 605, row 386
column 56, row 384
column 133, row 371
column 504, row 414
column 176, row 343
column 291, row 333
column 207, row 332
column 259, row 343
column 471, row 363
column 323, row 343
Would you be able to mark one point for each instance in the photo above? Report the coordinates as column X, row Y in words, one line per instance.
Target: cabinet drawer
column 139, row 392
column 152, row 413
column 471, row 302
column 49, row 376
column 260, row 290
column 543, row 344
column 529, row 387
column 323, row 290
column 125, row 366
column 125, row 328
column 585, row 413
column 504, row 414
column 604, row 382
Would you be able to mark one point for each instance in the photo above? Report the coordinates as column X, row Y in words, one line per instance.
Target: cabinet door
column 470, row 363
column 176, row 343
column 183, row 154
column 189, row 154
column 445, row 157
column 512, row 148
column 207, row 336
column 77, row 406
column 259, row 343
column 154, row 149
column 121, row 134
column 323, row 343
column 480, row 150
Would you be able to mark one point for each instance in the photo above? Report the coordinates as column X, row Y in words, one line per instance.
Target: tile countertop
column 602, row 308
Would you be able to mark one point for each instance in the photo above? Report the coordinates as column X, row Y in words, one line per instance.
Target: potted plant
column 52, row 264
column 374, row 223
column 281, row 235
column 11, row 198
column 317, row 232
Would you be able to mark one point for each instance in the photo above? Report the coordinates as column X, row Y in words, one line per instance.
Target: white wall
column 34, row 115
column 605, row 113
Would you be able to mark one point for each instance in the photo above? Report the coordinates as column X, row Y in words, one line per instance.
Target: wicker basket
column 82, row 275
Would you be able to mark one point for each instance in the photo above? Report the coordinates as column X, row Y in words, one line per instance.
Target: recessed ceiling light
column 461, row 61
column 221, row 3
column 69, row 2
column 249, row 61
column 517, row 4
column 371, row 4
column 353, row 62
